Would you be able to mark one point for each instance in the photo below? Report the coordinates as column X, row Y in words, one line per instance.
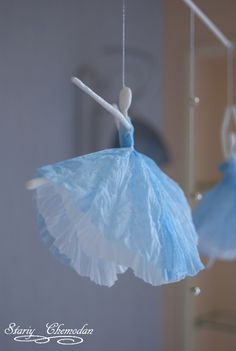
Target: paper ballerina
column 215, row 215
column 114, row 209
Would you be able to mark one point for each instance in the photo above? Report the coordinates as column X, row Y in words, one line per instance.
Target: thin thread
column 230, row 76
column 191, row 105
column 192, row 55
column 123, row 43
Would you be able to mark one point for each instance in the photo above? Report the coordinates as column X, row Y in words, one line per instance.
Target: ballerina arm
column 35, row 183
column 115, row 112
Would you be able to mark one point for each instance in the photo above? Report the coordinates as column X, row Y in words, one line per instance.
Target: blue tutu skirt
column 215, row 216
column 115, row 209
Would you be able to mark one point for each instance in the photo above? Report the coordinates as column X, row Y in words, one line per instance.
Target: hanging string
column 193, row 100
column 123, row 44
column 192, row 57
column 230, row 76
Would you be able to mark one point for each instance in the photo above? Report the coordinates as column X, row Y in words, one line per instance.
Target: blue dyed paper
column 215, row 216
column 115, row 209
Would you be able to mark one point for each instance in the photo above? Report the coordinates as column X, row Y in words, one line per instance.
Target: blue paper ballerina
column 215, row 215
column 115, row 209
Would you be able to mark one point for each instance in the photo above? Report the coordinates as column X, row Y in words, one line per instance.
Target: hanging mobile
column 214, row 216
column 115, row 209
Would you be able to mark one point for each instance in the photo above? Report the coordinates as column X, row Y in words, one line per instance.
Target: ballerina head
column 125, row 100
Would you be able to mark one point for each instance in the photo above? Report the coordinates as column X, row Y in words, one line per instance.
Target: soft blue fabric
column 215, row 216
column 115, row 209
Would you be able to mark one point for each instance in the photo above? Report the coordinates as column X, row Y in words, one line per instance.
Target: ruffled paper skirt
column 115, row 209
column 215, row 217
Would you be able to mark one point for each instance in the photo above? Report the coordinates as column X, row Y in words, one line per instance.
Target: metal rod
column 215, row 30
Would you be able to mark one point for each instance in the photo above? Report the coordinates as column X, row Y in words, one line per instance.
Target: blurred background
column 45, row 119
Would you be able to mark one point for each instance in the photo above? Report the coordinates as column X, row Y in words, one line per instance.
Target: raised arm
column 120, row 116
column 108, row 107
